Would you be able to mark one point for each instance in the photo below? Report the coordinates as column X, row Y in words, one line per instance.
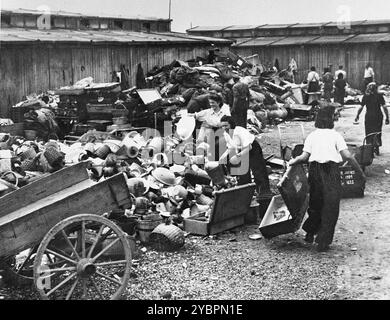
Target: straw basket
column 167, row 237
column 30, row 153
column 53, row 156
column 103, row 151
column 28, row 165
column 119, row 112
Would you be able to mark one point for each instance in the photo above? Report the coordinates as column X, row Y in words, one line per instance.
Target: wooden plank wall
column 33, row 68
column 352, row 56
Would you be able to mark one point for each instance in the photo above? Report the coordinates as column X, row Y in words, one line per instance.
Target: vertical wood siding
column 34, row 68
column 352, row 56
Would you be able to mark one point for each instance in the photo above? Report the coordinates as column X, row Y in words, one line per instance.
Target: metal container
column 146, row 226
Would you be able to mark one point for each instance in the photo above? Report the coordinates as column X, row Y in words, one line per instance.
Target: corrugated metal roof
column 109, row 36
column 207, row 28
column 177, row 35
column 294, row 41
column 291, row 25
column 370, row 37
column 40, row 12
column 277, row 26
column 337, row 23
column 236, row 27
column 241, row 40
column 371, row 22
column 309, row 25
column 260, row 41
column 75, row 14
column 331, row 39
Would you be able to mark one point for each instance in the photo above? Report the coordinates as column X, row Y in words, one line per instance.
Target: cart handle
column 375, row 134
column 8, row 184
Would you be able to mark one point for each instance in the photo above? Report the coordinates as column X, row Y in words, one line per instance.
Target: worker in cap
column 325, row 149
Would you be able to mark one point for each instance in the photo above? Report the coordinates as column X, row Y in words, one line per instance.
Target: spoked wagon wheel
column 83, row 268
column 19, row 269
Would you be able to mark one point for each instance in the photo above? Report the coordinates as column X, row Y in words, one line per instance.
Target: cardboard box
column 228, row 211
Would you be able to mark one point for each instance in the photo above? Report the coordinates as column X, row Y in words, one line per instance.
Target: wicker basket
column 103, row 151
column 167, row 237
column 119, row 111
column 30, row 153
column 29, row 165
column 53, row 156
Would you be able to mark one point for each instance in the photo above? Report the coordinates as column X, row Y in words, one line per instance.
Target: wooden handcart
column 53, row 232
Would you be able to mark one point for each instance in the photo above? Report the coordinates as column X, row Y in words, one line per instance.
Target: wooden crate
column 228, row 211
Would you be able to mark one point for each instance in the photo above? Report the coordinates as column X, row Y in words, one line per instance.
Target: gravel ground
column 231, row 266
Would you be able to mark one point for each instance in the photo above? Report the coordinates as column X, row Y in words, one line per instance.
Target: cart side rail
column 24, row 231
column 43, row 187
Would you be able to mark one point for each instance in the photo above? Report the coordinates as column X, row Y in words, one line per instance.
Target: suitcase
column 228, row 211
column 286, row 211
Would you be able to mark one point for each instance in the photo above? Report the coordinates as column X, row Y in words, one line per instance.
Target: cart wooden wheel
column 85, row 269
column 19, row 269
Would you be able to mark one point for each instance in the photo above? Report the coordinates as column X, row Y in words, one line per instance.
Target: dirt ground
column 231, row 266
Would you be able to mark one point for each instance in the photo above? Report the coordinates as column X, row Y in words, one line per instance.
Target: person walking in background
column 343, row 72
column 374, row 103
column 239, row 111
column 294, row 68
column 327, row 78
column 339, row 92
column 324, row 148
column 368, row 75
column 313, row 80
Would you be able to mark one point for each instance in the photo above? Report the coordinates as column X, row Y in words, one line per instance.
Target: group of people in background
column 337, row 81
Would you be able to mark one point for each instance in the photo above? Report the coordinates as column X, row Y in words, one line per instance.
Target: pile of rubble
column 106, row 125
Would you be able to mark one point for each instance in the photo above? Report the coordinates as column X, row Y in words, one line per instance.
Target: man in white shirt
column 368, row 75
column 313, row 79
column 340, row 70
column 245, row 153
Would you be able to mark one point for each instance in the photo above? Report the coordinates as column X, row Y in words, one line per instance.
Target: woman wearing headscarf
column 374, row 103
column 339, row 92
column 325, row 149
column 327, row 78
column 313, row 80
